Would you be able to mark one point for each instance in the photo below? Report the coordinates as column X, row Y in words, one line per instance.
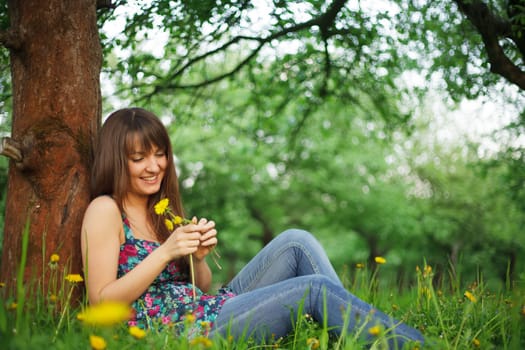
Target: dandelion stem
column 192, row 273
column 64, row 310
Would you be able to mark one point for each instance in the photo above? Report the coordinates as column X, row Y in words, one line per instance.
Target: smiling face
column 147, row 168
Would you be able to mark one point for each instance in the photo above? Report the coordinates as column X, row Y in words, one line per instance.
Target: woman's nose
column 153, row 164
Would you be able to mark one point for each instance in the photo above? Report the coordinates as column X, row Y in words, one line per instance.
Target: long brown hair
column 110, row 173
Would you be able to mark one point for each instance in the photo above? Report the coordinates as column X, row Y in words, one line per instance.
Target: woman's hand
column 183, row 241
column 208, row 239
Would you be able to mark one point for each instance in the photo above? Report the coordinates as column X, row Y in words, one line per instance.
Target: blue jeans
column 293, row 269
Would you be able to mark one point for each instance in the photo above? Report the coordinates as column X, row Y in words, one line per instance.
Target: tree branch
column 11, row 39
column 491, row 28
column 105, row 4
column 11, row 149
column 324, row 22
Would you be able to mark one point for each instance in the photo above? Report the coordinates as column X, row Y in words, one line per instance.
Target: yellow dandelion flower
column 374, row 330
column 2, row 284
column 169, row 224
column 177, row 220
column 476, row 342
column 97, row 343
column 54, row 258
column 137, row 332
column 74, row 278
column 359, row 265
column 53, row 298
column 380, row 260
column 12, row 306
column 470, row 296
column 162, row 206
column 105, row 314
column 190, row 318
column 206, row 342
column 312, row 343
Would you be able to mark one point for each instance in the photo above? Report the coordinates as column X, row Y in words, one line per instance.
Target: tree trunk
column 55, row 65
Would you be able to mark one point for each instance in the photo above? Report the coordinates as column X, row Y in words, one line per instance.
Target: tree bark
column 56, row 114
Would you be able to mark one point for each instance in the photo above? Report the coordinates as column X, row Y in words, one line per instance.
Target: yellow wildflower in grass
column 54, row 258
column 204, row 341
column 375, row 331
column 74, row 278
column 427, row 271
column 53, row 298
column 12, row 306
column 97, row 343
column 380, row 260
column 312, row 343
column 476, row 342
column 161, row 206
column 190, row 318
column 359, row 265
column 470, row 296
column 2, row 284
column 106, row 313
column 137, row 332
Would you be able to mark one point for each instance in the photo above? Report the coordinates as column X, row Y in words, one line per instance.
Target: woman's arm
column 203, row 276
column 102, row 235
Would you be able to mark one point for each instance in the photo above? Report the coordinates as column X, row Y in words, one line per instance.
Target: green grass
column 37, row 316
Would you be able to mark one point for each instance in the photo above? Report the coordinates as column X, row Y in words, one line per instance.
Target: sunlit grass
column 449, row 315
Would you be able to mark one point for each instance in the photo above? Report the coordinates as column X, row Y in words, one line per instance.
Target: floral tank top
column 169, row 299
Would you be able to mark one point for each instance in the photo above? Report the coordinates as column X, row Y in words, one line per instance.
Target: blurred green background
column 381, row 129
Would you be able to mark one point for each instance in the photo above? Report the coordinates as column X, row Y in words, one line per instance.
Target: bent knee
column 298, row 235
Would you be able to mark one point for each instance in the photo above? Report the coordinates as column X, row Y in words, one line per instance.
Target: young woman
column 130, row 255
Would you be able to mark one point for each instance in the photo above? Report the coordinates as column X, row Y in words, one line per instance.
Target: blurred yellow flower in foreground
column 106, row 313
column 54, row 258
column 97, row 343
column 470, row 296
column 380, row 260
column 190, row 318
column 374, row 330
column 359, row 265
column 476, row 342
column 202, row 341
column 137, row 332
column 74, row 278
column 312, row 343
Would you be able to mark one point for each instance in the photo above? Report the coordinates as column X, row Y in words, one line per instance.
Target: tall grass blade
column 20, row 287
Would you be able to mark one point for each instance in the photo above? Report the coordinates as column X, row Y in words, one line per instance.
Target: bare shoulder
column 102, row 214
column 103, row 205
